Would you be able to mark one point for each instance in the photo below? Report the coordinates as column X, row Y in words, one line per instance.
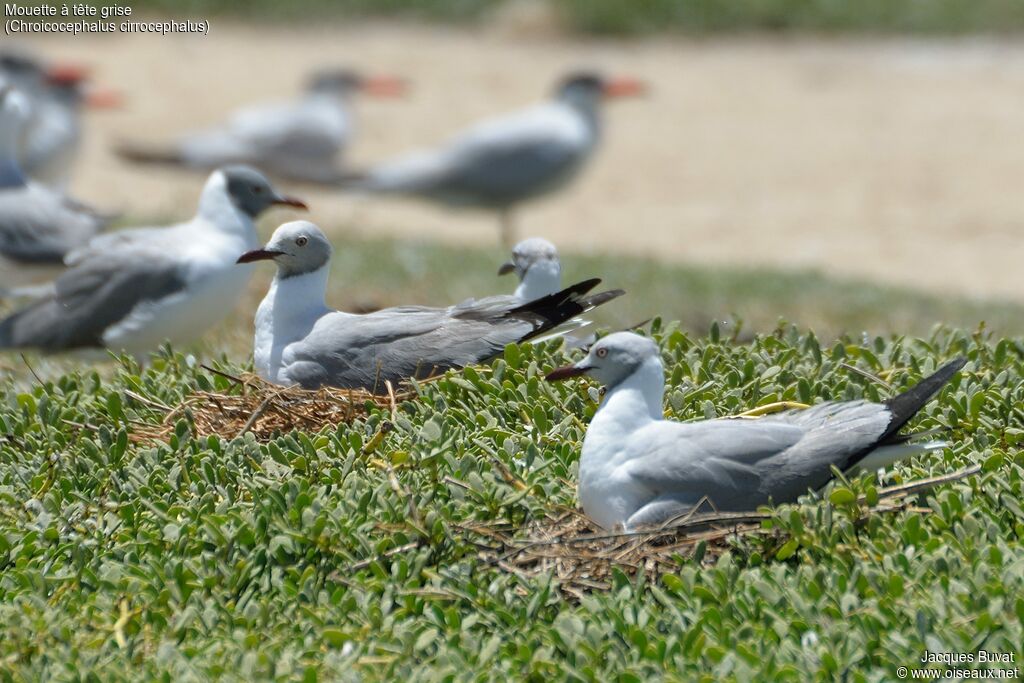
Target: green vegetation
column 343, row 554
column 625, row 17
column 392, row 272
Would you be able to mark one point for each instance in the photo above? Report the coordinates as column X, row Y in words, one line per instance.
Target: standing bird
column 501, row 163
column 300, row 140
column 299, row 340
column 51, row 140
column 38, row 225
column 637, row 468
column 134, row 289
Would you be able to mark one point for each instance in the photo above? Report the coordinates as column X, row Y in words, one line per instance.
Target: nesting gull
column 637, row 468
column 300, row 341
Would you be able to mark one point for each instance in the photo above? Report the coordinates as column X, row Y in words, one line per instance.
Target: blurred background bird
column 132, row 290
column 50, row 141
column 39, row 225
column 299, row 140
column 500, row 163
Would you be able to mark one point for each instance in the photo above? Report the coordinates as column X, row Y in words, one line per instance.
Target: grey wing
column 717, row 459
column 38, row 226
column 270, row 135
column 394, row 345
column 496, row 162
column 302, row 129
column 90, row 297
column 739, row 464
column 103, row 245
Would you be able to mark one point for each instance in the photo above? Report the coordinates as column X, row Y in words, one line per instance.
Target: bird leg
column 508, row 227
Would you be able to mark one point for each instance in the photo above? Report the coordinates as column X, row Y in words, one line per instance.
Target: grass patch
column 343, row 553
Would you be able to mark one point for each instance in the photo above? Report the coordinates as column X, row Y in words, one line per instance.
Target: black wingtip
column 595, row 300
column 907, row 404
column 570, row 293
column 548, row 312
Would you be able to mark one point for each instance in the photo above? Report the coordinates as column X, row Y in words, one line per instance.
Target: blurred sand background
column 888, row 159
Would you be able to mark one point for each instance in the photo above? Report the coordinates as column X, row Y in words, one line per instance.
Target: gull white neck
column 634, row 401
column 216, row 208
column 541, row 279
column 287, row 313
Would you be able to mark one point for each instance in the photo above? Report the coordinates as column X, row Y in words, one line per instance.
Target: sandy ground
column 901, row 161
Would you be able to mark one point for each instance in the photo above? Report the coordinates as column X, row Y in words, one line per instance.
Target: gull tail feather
column 883, row 457
column 907, row 404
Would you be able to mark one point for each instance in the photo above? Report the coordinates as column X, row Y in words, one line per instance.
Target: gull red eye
column 601, row 353
column 301, row 241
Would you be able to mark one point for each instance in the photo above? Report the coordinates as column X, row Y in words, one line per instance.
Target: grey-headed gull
column 638, row 469
column 537, row 266
column 132, row 290
column 39, row 226
column 503, row 162
column 300, row 341
column 301, row 140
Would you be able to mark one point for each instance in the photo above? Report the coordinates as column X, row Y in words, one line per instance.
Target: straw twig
column 255, row 406
column 582, row 557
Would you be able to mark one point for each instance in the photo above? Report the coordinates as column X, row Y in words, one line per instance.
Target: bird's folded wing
column 299, row 129
column 492, row 156
column 109, row 244
column 715, row 458
column 90, row 297
column 395, row 344
column 41, row 227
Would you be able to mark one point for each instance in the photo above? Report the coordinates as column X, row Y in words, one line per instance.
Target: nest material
column 266, row 410
column 582, row 557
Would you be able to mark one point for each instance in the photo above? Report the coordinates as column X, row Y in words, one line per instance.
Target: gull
column 51, row 140
column 39, row 226
column 300, row 140
column 300, row 341
column 132, row 290
column 638, row 469
column 503, row 162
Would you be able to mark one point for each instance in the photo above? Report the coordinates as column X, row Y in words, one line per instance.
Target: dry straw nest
column 265, row 410
column 582, row 557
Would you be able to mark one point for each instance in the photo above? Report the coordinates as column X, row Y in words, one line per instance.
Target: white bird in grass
column 500, row 163
column 638, row 468
column 300, row 341
column 132, row 290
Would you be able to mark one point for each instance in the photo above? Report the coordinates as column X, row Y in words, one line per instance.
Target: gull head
column 613, row 359
column 297, row 248
column 528, row 253
column 342, row 82
column 588, row 87
column 252, row 193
